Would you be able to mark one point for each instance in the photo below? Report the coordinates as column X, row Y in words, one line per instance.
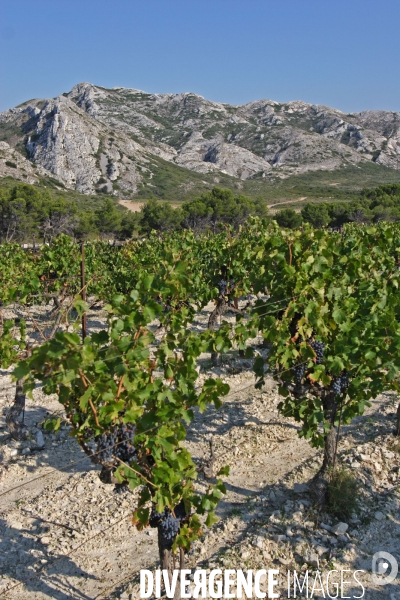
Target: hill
column 132, row 144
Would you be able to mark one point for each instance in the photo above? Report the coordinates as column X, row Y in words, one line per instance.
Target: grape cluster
column 341, row 383
column 344, row 380
column 299, row 371
column 335, row 385
column 166, row 305
column 318, row 348
column 125, row 449
column 105, row 446
column 222, row 285
column 180, row 511
column 168, row 529
column 117, row 442
column 168, row 524
column 121, row 488
column 155, row 517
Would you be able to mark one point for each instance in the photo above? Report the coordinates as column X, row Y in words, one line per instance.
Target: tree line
column 205, row 213
column 372, row 206
column 222, row 207
column 31, row 214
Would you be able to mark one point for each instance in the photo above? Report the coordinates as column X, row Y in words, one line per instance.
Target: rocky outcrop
column 95, row 139
column 13, row 164
column 79, row 150
column 66, row 144
column 236, row 161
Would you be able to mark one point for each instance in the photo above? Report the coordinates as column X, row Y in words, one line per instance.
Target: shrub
column 289, row 218
column 159, row 216
column 316, row 214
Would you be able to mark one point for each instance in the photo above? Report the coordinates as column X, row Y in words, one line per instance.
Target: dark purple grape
column 222, row 285
column 121, row 488
column 318, row 348
column 180, row 511
column 125, row 450
column 155, row 517
column 298, row 371
column 336, row 386
column 168, row 529
column 105, row 446
column 117, row 442
column 344, row 380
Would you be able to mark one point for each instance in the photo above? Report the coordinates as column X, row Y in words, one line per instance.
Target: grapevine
column 133, row 419
column 342, row 290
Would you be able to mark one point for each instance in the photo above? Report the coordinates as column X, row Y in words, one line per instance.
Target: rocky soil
column 65, row 535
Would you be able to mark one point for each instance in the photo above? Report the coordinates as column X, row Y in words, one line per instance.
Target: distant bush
column 316, row 214
column 159, row 216
column 9, row 163
column 29, row 213
column 108, row 219
column 288, row 218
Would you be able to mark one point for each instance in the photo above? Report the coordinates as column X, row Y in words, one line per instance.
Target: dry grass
column 343, row 493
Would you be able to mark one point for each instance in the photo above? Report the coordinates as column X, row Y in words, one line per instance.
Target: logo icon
column 384, row 568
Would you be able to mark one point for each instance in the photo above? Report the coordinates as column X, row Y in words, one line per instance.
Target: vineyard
column 170, row 382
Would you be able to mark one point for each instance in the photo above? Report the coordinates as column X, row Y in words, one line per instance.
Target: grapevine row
column 328, row 308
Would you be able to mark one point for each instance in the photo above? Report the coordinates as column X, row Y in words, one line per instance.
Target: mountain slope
column 128, row 142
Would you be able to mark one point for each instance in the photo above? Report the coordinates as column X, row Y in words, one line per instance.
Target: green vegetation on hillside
column 171, row 182
column 341, row 185
column 218, row 207
column 34, row 214
column 177, row 184
column 57, row 191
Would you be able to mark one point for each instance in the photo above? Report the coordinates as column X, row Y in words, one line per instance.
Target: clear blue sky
column 342, row 53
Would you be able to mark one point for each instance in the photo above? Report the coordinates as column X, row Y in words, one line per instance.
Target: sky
column 341, row 53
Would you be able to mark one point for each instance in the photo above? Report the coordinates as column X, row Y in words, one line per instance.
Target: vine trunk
column 321, row 480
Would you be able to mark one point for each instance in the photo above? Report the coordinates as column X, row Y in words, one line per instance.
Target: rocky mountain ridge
column 117, row 140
